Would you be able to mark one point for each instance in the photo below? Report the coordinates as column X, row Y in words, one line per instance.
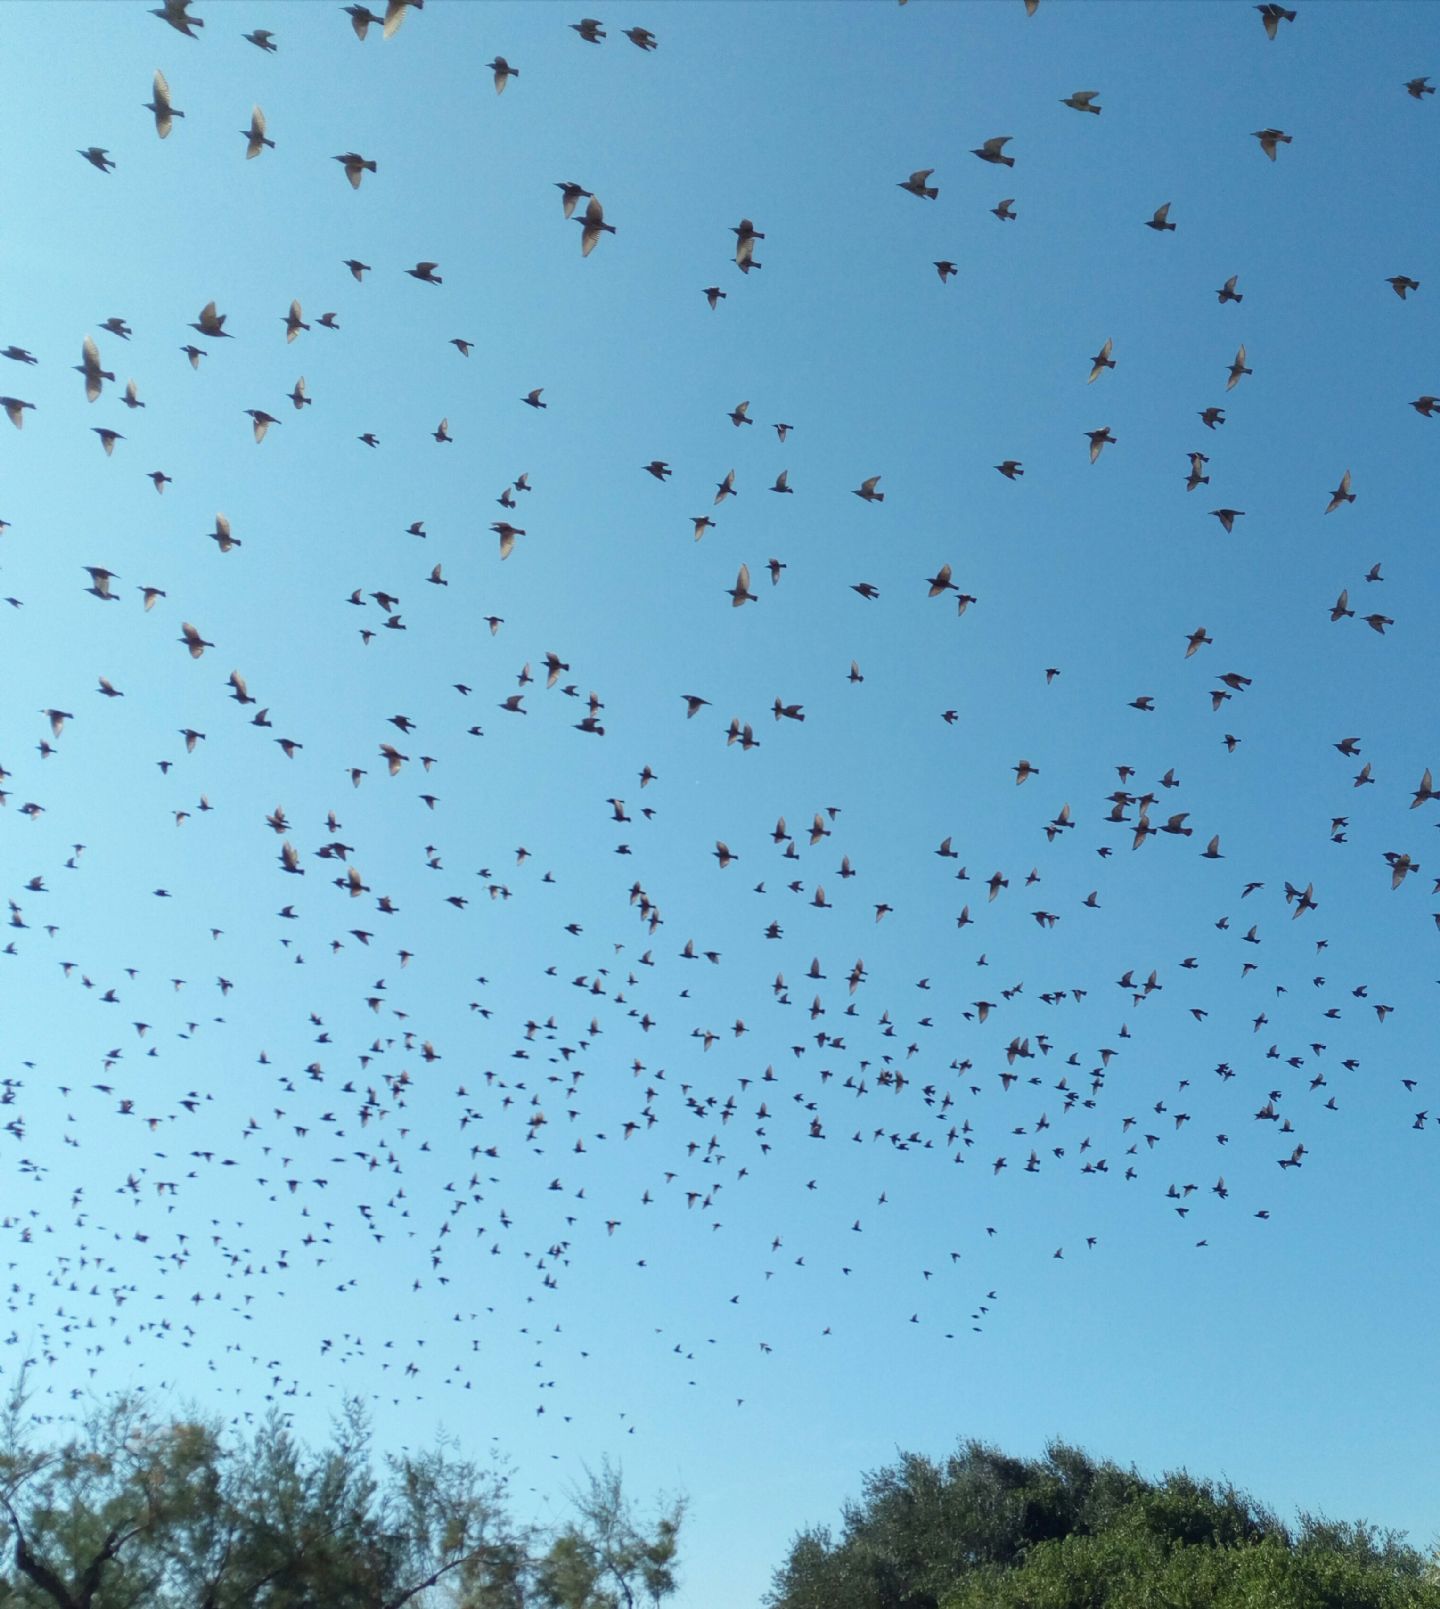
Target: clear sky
column 794, row 1263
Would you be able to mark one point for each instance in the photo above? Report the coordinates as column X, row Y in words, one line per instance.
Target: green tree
column 128, row 1512
column 984, row 1530
column 607, row 1557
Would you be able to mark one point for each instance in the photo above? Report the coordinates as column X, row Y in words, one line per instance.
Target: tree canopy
column 128, row 1512
column 984, row 1530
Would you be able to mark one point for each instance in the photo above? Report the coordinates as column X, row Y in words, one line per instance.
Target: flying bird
column 1270, row 139
column 1341, row 494
column 1272, row 16
column 163, row 108
column 255, row 136
column 916, row 185
column 993, row 150
column 355, row 165
column 592, row 226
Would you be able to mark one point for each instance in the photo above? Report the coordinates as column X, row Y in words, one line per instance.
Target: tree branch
column 38, row 1571
column 423, row 1586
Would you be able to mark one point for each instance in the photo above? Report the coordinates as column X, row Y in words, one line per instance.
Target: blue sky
column 760, row 1380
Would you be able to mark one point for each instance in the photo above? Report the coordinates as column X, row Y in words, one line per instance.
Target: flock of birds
column 358, row 1151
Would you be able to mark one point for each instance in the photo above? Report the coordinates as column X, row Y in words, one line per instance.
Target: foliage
column 128, row 1512
column 983, row 1530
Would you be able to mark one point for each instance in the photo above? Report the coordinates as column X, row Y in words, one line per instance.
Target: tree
column 128, row 1512
column 606, row 1557
column 985, row 1530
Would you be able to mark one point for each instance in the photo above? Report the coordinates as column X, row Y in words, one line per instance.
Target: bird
column 99, row 158
column 570, row 193
column 221, row 535
column 1228, row 293
column 100, row 579
column 425, row 273
column 746, row 234
column 946, row 269
column 1212, row 417
column 940, row 582
column 532, row 398
column 395, row 13
column 993, row 150
column 193, row 640
column 1160, row 220
column 1418, row 88
column 1227, row 517
column 1272, row 16
column 1011, row 469
column 1083, row 101
column 642, row 38
column 503, row 72
column 589, row 30
column 176, row 13
column 255, row 136
column 211, row 323
column 740, row 592
column 658, row 468
column 1101, row 361
column 916, row 185
column 1271, row 139
column 1237, row 369
column 15, row 410
column 262, row 39
column 356, row 166
column 293, row 322
column 714, row 295
column 592, row 226
column 261, row 422
column 358, row 270
column 507, row 534
column 1401, row 284
column 1341, row 494
column 1099, row 439
column 1005, row 211
column 866, row 490
column 160, row 104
